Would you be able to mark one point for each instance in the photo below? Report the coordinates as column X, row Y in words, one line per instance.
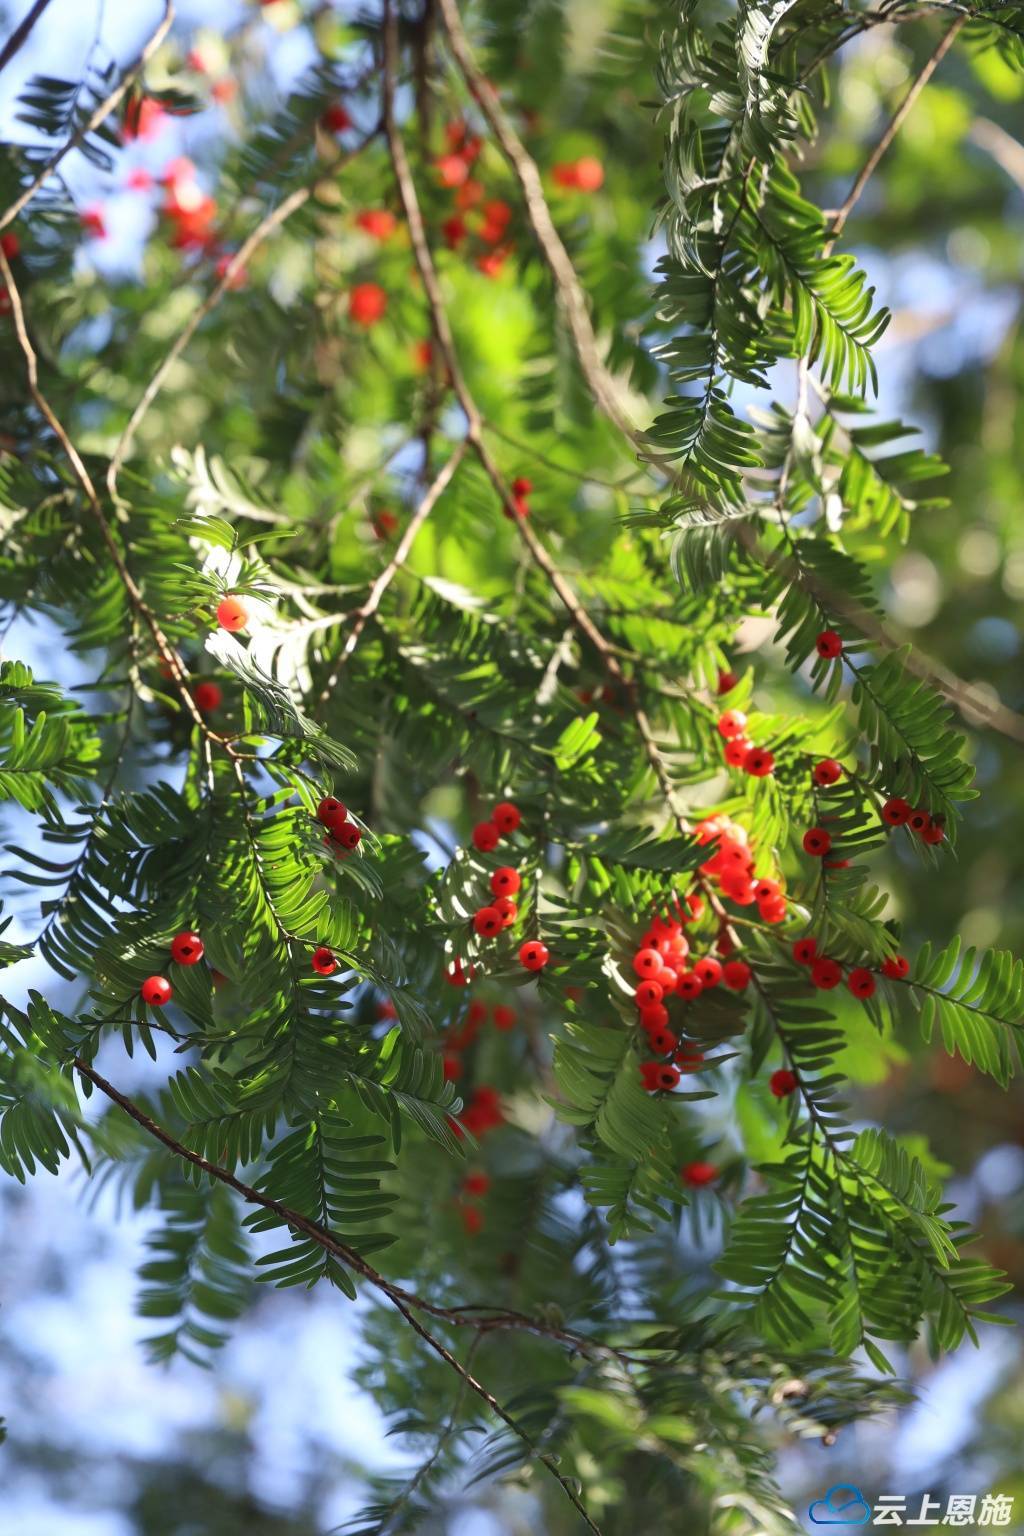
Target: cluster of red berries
column 739, row 750
column 900, row 813
column 460, row 1039
column 731, row 868
column 827, row 973
column 483, row 1113
column 342, row 835
column 186, row 949
column 501, row 912
column 475, row 215
column 521, row 488
column 660, row 964
column 474, row 1187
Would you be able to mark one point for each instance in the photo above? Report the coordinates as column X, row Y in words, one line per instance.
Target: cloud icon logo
column 843, row 1504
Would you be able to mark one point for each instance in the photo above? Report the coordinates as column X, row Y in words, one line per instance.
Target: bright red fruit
column 451, row 1066
column 156, row 991
column 895, row 812
column 896, row 967
column 689, row 1057
column 323, row 961
column 655, row 1016
column 827, row 772
column 919, row 821
column 331, row 812
column 534, row 955
column 736, row 975
column 486, row 836
column 817, row 842
column 187, row 948
column 335, row 119
column 589, row 173
column 207, row 697
column 348, row 835
column 504, row 1017
column 232, row 614
column 805, row 951
column 661, row 1041
column 10, row 244
column 379, row 223
column 647, row 962
column 708, row 970
column 689, row 986
column 782, row 1083
column 698, row 1174
column 726, row 682
column 861, row 982
column 826, row 973
column 659, row 1076
column 934, row 833
column 476, row 1184
column 759, row 762
column 732, row 723
column 487, row 922
column 367, row 303
column 737, row 750
column 507, row 910
column 505, row 881
column 829, row 644
column 506, row 816
column 648, row 993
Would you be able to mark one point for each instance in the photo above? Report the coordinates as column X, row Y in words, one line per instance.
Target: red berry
column 697, row 1174
column 861, row 982
column 589, row 174
column 378, row 223
column 726, row 682
column 737, row 750
column 817, row 842
column 367, row 303
column 827, row 772
column 689, row 986
column 187, row 948
column 506, row 907
column 647, row 962
column 896, row 967
column 534, row 955
column 506, row 816
column 451, row 1066
column 207, row 697
column 655, row 1016
column 472, row 1218
column 10, row 244
column 732, row 723
column 766, row 888
column 487, row 922
column 688, row 1058
column 708, row 971
column 232, row 614
column 829, row 644
column 335, row 118
column 759, row 763
column 736, row 975
column 457, row 975
column 156, row 991
column 648, row 993
column 826, row 973
column 782, row 1083
column 661, row 1077
column 348, row 835
column 505, row 882
column 504, row 1017
column 386, row 1010
column 323, row 961
column 486, row 836
column 330, row 812
column 476, row 1184
column 773, row 910
column 521, row 486
column 668, row 977
column 919, row 821
column 805, row 951
column 935, row 833
column 661, row 1041
column 895, row 812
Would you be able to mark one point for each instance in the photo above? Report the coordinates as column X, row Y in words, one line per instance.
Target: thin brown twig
column 19, row 36
column 102, row 112
column 895, row 124
column 567, row 283
column 365, row 612
column 166, row 651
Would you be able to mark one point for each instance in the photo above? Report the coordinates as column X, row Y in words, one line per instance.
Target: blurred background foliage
column 282, row 1441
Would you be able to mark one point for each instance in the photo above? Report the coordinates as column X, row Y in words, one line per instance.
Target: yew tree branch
column 567, row 283
column 102, row 112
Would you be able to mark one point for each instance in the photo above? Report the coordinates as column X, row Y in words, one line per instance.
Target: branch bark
column 19, row 37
